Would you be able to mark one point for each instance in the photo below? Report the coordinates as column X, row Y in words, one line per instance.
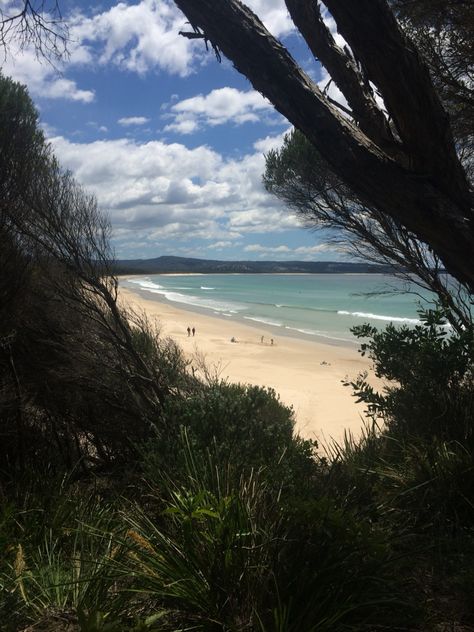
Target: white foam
column 195, row 301
column 145, row 284
column 311, row 332
column 264, row 321
column 203, row 287
column 395, row 319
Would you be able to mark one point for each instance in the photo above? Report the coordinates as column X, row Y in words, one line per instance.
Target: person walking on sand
column 189, row 331
column 261, row 340
column 194, row 331
column 271, row 341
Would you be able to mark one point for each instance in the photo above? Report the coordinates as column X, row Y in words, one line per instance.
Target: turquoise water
column 308, row 305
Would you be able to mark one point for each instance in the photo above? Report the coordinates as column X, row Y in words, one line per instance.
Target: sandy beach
column 307, row 375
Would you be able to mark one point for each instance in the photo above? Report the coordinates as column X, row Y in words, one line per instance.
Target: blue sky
column 170, row 141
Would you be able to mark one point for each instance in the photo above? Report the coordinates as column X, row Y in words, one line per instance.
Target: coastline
column 306, row 374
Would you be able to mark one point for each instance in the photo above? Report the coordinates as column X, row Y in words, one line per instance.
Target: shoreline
column 307, row 374
column 272, row 330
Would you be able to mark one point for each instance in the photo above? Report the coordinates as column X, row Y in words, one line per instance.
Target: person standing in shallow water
column 193, row 330
column 189, row 331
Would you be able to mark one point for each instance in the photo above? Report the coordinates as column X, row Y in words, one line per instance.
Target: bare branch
column 39, row 25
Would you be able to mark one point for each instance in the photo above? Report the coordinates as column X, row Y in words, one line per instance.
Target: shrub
column 431, row 378
column 247, row 428
column 227, row 552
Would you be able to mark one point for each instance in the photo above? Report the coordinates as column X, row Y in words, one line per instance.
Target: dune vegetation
column 135, row 496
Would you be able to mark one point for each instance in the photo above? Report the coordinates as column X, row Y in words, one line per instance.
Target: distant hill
column 162, row 265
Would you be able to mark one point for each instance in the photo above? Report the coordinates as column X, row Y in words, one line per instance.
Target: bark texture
column 343, row 69
column 429, row 193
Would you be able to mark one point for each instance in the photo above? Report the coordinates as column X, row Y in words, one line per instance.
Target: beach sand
column 307, row 375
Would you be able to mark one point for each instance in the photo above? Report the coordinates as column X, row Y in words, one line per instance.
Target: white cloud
column 42, row 79
column 264, row 145
column 221, row 245
column 139, row 37
column 312, row 250
column 274, row 15
column 266, row 249
column 220, row 106
column 158, row 191
column 133, row 120
column 301, row 252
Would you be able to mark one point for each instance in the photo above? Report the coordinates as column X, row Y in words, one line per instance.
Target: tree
column 35, row 22
column 298, row 174
column 444, row 31
column 400, row 158
column 429, row 387
column 80, row 379
column 302, row 178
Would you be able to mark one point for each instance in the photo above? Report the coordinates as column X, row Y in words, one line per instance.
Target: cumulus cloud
column 266, row 249
column 139, row 37
column 160, row 191
column 133, row 120
column 220, row 106
column 42, row 79
column 221, row 245
column 301, row 252
column 264, row 145
column 274, row 15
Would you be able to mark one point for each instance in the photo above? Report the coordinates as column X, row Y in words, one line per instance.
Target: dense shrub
column 246, row 427
column 228, row 552
column 431, row 381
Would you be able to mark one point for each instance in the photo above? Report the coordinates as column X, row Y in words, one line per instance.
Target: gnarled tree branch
column 438, row 214
column 396, row 68
column 306, row 14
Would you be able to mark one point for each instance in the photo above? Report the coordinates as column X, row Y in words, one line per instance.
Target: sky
column 170, row 141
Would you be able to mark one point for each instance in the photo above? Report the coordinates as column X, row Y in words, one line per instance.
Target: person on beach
column 193, row 330
column 261, row 340
column 189, row 331
column 271, row 341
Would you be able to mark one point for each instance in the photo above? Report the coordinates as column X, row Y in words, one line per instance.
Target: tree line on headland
column 138, row 495
column 170, row 264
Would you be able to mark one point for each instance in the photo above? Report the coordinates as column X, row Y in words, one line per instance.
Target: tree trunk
column 440, row 215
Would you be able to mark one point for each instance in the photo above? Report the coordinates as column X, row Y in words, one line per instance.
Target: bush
column 227, row 552
column 431, row 379
column 246, row 427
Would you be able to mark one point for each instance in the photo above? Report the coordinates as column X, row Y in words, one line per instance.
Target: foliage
column 70, row 357
column 247, row 427
column 187, row 504
column 298, row 174
column 430, row 372
column 57, row 560
column 229, row 553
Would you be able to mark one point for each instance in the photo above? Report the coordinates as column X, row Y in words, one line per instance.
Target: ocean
column 312, row 306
